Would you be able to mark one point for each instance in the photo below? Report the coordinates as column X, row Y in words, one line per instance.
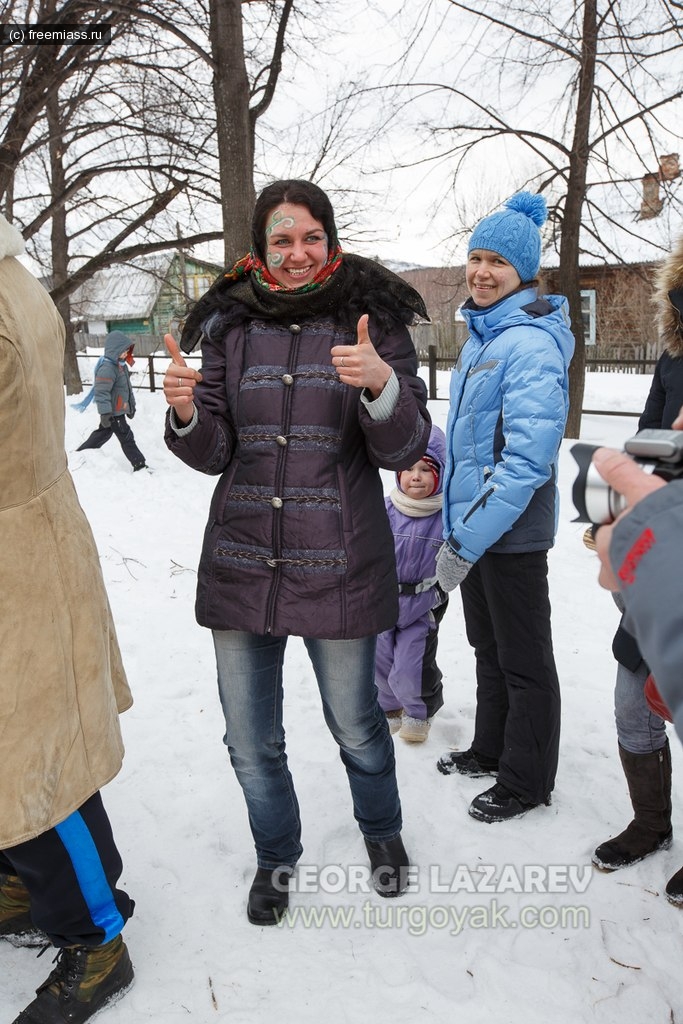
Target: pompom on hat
column 513, row 232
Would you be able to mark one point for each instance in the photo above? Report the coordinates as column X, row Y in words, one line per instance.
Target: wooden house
column 141, row 298
column 616, row 299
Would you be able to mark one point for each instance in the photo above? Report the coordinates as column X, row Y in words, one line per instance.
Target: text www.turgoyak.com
column 418, row 920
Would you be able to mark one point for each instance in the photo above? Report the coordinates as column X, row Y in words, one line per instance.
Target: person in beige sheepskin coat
column 62, row 683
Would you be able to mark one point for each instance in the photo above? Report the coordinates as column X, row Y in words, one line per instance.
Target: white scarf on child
column 416, row 507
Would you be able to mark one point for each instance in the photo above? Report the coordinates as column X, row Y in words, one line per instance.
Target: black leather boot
column 269, row 895
column 649, row 785
column 389, row 865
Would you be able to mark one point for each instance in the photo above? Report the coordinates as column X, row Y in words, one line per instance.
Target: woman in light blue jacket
column 509, row 403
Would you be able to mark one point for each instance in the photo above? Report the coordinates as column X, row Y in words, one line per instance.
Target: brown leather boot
column 649, row 784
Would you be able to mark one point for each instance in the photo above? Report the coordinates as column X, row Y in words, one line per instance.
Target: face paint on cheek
column 274, row 259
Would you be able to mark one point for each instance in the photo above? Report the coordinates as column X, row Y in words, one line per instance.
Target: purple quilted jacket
column 298, row 541
column 417, row 541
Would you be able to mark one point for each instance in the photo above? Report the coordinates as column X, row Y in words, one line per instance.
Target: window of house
column 197, row 284
column 588, row 315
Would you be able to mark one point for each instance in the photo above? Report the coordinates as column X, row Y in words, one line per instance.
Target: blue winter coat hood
column 115, row 343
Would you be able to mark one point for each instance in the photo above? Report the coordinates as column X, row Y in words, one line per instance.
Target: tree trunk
column 59, row 241
column 571, row 221
column 233, row 128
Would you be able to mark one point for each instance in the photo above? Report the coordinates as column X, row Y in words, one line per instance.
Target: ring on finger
column 342, row 361
column 180, row 382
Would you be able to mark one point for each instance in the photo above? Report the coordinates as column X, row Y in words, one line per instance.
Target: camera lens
column 594, row 500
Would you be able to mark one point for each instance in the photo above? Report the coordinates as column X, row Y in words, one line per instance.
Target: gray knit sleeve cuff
column 381, row 408
column 182, row 429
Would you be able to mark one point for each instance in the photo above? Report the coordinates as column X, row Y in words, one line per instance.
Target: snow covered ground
column 574, row 945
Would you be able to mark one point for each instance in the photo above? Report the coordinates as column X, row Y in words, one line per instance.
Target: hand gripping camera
column 656, row 451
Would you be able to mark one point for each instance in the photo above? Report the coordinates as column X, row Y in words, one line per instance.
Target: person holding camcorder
column 605, row 489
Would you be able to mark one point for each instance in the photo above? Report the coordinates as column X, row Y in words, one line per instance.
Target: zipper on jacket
column 480, row 503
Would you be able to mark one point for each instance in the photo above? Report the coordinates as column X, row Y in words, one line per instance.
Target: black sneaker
column 499, row 804
column 466, row 762
column 84, row 980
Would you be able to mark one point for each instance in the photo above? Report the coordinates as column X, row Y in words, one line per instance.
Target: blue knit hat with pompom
column 513, row 233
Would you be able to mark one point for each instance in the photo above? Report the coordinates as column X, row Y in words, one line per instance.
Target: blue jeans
column 250, row 689
column 639, row 730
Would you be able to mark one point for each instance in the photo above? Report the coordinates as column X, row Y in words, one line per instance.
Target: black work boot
column 269, row 895
column 84, row 980
column 15, row 914
column 649, row 785
column 389, row 864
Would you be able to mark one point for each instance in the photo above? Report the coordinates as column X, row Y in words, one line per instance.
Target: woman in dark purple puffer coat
column 301, row 398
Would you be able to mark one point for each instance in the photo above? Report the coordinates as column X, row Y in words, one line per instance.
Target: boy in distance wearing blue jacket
column 407, row 676
column 115, row 399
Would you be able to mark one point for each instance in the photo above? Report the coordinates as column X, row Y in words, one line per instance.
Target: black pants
column 119, row 426
column 432, row 685
column 71, row 872
column 507, row 617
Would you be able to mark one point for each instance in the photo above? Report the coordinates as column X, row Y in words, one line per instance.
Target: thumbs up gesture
column 359, row 365
column 179, row 382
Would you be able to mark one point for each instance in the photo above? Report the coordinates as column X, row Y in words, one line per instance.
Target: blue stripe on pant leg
column 87, row 865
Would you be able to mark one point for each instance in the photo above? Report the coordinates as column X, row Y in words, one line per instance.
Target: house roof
column 123, row 291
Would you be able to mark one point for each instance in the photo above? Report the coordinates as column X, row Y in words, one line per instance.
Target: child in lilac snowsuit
column 407, row 676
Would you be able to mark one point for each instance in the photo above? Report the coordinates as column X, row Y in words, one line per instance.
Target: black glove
column 105, row 420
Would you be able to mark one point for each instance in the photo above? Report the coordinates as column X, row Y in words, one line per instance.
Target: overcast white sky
column 411, row 214
column 391, row 198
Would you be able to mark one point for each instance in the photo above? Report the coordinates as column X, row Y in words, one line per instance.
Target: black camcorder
column 656, row 451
